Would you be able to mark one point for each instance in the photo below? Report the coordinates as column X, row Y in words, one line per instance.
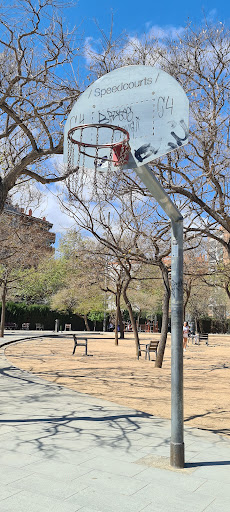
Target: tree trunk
column 3, row 314
column 196, row 325
column 3, row 193
column 117, row 317
column 187, row 295
column 138, row 321
column 165, row 317
column 226, row 286
column 122, row 333
column 132, row 320
column 86, row 323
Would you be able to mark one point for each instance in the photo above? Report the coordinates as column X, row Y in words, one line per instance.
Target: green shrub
column 20, row 312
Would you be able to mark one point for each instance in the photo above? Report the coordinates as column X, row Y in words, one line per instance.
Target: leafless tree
column 137, row 234
column 36, row 92
column 197, row 175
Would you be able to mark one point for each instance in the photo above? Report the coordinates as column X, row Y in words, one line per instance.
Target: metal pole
column 177, row 413
column 177, row 416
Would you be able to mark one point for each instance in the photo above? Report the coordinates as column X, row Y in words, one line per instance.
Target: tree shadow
column 48, row 418
column 223, row 431
column 207, row 463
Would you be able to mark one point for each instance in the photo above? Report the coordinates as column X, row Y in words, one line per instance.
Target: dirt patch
column 115, row 374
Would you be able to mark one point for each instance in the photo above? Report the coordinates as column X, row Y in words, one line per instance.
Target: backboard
column 143, row 100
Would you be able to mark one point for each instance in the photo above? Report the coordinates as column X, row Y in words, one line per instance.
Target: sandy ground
column 115, row 374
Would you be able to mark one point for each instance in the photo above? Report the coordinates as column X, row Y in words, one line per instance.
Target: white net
column 97, row 146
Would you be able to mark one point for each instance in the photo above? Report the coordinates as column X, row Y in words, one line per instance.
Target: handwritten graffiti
column 179, row 140
column 101, row 162
column 109, row 116
column 164, row 104
column 76, row 120
column 144, row 152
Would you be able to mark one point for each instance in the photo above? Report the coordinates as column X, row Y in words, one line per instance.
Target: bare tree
column 197, row 175
column 137, row 233
column 35, row 90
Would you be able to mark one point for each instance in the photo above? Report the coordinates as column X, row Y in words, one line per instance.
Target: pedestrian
column 111, row 326
column 185, row 335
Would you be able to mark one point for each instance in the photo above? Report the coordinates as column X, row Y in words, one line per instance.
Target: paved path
column 20, row 335
column 63, row 451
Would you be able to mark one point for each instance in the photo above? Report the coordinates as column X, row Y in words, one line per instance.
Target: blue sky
column 139, row 17
column 136, row 18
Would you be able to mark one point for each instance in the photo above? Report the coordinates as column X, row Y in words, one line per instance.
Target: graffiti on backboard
column 146, row 150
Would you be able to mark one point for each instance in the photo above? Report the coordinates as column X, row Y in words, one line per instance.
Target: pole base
column 177, row 455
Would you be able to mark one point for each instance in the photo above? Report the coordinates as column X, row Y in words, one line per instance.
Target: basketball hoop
column 106, row 144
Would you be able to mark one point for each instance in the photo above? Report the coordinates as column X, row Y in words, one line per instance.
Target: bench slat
column 149, row 347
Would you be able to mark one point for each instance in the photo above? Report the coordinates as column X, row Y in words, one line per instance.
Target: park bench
column 68, row 327
column 149, row 347
column 203, row 337
column 11, row 325
column 26, row 326
column 77, row 343
column 39, row 327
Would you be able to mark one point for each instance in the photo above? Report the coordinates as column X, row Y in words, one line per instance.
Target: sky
column 135, row 18
column 138, row 17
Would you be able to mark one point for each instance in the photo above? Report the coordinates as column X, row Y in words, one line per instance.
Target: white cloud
column 44, row 202
column 53, row 211
column 212, row 14
column 167, row 32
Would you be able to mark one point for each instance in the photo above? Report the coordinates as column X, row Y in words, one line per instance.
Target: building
column 40, row 227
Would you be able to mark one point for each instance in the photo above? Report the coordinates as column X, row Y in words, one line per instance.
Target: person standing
column 185, row 335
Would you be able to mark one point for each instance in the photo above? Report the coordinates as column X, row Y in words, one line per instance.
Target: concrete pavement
column 65, row 451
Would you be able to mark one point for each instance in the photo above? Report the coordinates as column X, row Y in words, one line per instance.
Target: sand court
column 114, row 373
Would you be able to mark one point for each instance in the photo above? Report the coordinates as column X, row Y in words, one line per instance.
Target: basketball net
column 117, row 153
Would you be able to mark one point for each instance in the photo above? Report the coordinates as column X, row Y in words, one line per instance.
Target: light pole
column 177, row 420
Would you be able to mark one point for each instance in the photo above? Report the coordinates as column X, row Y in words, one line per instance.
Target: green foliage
column 213, row 325
column 70, row 244
column 96, row 316
column 80, row 291
column 38, row 285
column 40, row 313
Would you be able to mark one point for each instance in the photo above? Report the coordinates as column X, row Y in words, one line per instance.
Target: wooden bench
column 149, row 347
column 39, row 327
column 26, row 326
column 11, row 325
column 77, row 343
column 203, row 337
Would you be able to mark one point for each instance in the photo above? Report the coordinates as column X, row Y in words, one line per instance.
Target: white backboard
column 150, row 104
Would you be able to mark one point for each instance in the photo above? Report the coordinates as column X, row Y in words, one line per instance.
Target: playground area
column 114, row 373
